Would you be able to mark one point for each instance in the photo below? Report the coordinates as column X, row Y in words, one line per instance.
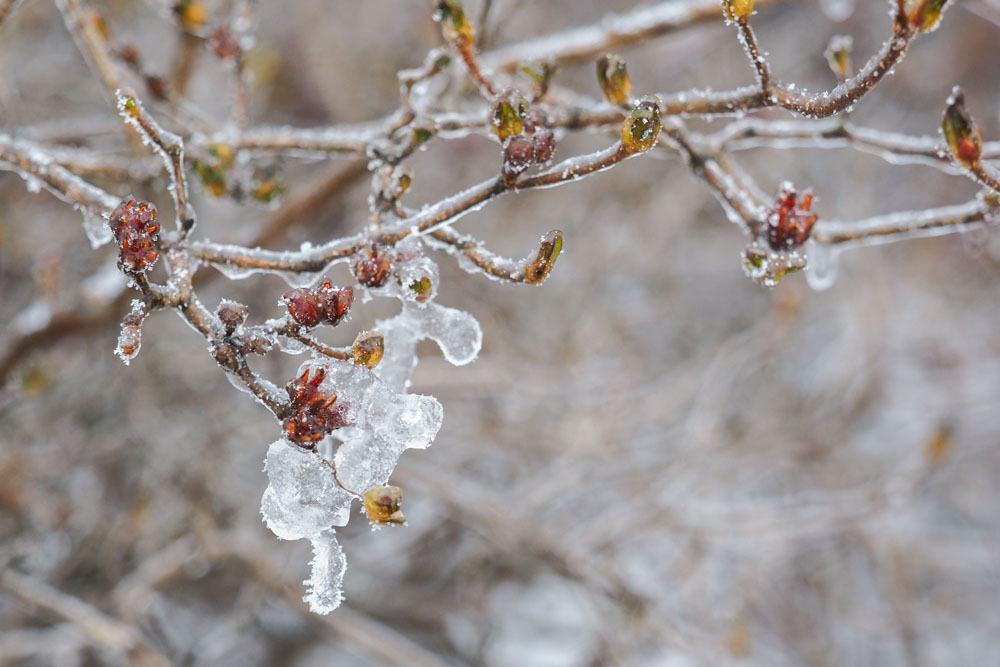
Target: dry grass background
column 670, row 465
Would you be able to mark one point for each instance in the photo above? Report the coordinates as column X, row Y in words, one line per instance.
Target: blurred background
column 653, row 462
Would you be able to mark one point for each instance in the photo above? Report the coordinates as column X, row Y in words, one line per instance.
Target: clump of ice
column 304, row 498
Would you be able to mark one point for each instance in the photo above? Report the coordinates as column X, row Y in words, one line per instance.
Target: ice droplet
column 821, row 270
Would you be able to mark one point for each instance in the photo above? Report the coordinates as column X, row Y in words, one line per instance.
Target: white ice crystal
column 305, row 498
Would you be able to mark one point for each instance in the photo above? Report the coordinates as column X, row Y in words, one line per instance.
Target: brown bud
column 925, row 15
column 231, row 314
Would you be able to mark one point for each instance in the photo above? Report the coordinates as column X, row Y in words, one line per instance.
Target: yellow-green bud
column 539, row 268
column 613, row 78
column 925, row 15
column 642, row 127
column 382, row 506
column 737, row 10
column 368, row 349
column 965, row 142
column 509, row 111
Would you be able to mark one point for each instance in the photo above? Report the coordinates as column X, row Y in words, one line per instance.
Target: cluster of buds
column 789, row 221
column 135, row 230
column 641, row 128
column 533, row 143
column 613, row 78
column 382, row 506
column 325, row 304
column 373, row 266
column 776, row 252
column 964, row 139
column 312, row 413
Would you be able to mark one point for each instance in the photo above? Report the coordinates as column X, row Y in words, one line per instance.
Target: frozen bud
column 642, row 127
column 544, row 143
column 767, row 267
column 133, row 224
column 838, row 55
column 382, row 506
column 541, row 76
column 454, row 23
column 960, row 131
column 737, row 10
column 157, row 87
column 257, row 344
column 190, row 13
column 303, row 306
column 130, row 55
column 267, row 185
column 326, row 304
column 509, row 112
column 368, row 349
column 790, row 220
column 925, row 15
column 613, row 78
column 535, row 120
column 423, row 130
column 129, row 341
column 538, row 269
column 312, row 411
column 231, row 314
column 373, row 266
column 422, row 289
column 223, row 44
column 518, row 155
column 211, row 167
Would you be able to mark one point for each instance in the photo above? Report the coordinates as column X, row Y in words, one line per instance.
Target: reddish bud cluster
column 373, row 266
column 136, row 230
column 535, row 146
column 323, row 304
column 223, row 44
column 312, row 414
column 790, row 221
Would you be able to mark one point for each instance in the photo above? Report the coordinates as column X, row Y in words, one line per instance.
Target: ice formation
column 309, row 493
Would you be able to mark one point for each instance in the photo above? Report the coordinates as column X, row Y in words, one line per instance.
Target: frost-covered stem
column 171, row 149
column 893, row 147
column 490, row 263
column 27, row 160
column 83, row 24
column 906, row 225
column 749, row 41
column 467, row 50
column 610, row 33
column 292, row 330
column 849, row 92
column 734, row 195
column 350, row 139
column 986, row 175
column 426, row 221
